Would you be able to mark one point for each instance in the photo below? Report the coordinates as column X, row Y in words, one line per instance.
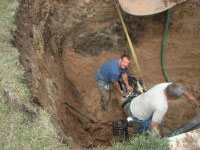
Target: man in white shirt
column 149, row 108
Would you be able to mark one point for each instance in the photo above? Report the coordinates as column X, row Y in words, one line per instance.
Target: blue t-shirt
column 109, row 71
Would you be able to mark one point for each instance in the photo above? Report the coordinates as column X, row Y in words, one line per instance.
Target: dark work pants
column 104, row 90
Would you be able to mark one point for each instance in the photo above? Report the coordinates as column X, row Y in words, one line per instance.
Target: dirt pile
column 62, row 42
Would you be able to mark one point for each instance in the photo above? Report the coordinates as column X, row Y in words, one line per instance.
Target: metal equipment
column 189, row 126
column 147, row 7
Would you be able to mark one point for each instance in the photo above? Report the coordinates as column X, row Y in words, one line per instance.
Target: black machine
column 133, row 82
column 120, row 128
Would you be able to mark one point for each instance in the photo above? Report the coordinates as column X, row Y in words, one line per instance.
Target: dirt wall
column 62, row 42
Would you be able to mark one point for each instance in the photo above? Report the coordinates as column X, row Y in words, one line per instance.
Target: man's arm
column 125, row 79
column 189, row 97
column 157, row 118
column 116, row 84
column 155, row 127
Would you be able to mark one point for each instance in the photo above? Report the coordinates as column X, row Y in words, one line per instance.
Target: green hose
column 164, row 45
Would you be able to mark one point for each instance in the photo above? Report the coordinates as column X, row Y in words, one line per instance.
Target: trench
column 62, row 42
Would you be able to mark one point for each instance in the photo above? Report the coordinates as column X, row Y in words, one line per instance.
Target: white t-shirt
column 152, row 103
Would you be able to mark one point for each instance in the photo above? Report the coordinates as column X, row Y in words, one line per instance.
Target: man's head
column 174, row 91
column 124, row 61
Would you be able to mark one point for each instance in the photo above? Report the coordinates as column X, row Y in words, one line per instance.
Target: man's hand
column 195, row 105
column 122, row 92
column 116, row 84
column 194, row 102
column 191, row 98
column 154, row 134
column 130, row 89
column 125, row 79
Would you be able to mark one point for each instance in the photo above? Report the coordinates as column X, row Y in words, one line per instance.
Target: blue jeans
column 145, row 124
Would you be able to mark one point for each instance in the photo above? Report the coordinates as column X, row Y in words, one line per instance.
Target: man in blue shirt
column 108, row 73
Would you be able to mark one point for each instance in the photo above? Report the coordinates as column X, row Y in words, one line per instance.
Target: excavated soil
column 62, row 42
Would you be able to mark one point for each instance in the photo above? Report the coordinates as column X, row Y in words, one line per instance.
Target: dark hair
column 127, row 56
column 174, row 90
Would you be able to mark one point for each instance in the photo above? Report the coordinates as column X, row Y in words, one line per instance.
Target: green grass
column 11, row 72
column 7, row 10
column 18, row 130
column 139, row 142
